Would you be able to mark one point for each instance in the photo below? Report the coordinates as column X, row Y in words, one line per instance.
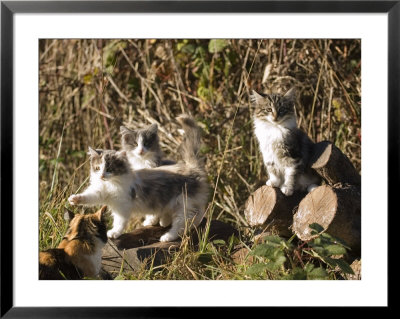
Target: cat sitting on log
column 285, row 148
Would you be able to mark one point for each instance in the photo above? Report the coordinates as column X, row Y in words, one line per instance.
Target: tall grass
column 89, row 87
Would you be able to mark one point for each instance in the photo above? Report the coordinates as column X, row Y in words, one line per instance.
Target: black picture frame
column 9, row 8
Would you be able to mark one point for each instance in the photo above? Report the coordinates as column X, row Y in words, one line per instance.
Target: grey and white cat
column 285, row 148
column 142, row 147
column 143, row 150
column 177, row 194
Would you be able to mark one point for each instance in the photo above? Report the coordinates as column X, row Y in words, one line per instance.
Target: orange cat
column 79, row 253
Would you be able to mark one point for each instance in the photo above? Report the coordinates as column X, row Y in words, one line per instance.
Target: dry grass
column 88, row 88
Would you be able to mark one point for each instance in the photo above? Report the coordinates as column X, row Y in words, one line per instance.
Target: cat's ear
column 68, row 215
column 128, row 138
column 255, row 98
column 291, row 94
column 93, row 153
column 124, row 130
column 153, row 128
column 101, row 214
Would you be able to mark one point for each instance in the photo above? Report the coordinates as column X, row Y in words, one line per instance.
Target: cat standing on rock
column 143, row 151
column 177, row 194
column 285, row 148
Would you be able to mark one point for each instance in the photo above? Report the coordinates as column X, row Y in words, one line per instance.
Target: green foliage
column 273, row 254
column 217, row 45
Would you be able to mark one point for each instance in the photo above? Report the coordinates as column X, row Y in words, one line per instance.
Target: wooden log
column 337, row 209
column 332, row 165
column 142, row 236
column 115, row 261
column 269, row 207
column 141, row 247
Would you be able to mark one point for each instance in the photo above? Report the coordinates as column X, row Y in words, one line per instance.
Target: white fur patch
column 267, row 134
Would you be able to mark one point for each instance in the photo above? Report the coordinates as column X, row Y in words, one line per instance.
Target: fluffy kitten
column 143, row 151
column 79, row 253
column 175, row 193
column 285, row 148
column 143, row 147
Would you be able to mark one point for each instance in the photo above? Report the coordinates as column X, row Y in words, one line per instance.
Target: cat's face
column 106, row 164
column 84, row 230
column 274, row 108
column 142, row 142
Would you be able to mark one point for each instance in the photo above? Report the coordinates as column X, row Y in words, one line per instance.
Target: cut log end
column 269, row 207
column 319, row 206
column 260, row 205
column 321, row 154
column 337, row 209
column 332, row 165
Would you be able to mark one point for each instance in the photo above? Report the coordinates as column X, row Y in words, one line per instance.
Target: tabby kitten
column 285, row 148
column 177, row 194
column 143, row 151
column 79, row 253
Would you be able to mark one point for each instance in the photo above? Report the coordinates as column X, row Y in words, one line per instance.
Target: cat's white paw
column 74, row 199
column 150, row 221
column 113, row 233
column 168, row 237
column 287, row 190
column 311, row 187
column 272, row 183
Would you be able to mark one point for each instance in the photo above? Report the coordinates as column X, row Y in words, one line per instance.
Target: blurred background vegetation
column 89, row 87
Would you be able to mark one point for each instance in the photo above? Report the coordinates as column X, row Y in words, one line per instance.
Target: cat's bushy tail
column 190, row 147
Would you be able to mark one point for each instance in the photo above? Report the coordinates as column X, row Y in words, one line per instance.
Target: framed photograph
column 254, row 143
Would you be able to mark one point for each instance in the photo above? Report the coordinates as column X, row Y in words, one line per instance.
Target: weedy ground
column 89, row 87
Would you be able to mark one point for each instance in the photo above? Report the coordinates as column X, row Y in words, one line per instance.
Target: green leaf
column 319, row 250
column 276, row 263
column 309, row 267
column 265, row 250
column 297, row 274
column 217, row 45
column 330, row 261
column 273, row 240
column 219, row 242
column 317, row 273
column 186, row 48
column 335, row 250
column 256, row 269
column 332, row 239
column 344, row 266
column 204, row 257
column 317, row 228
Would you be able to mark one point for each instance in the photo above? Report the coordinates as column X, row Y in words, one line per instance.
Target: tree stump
column 336, row 208
column 142, row 247
column 270, row 207
column 332, row 165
